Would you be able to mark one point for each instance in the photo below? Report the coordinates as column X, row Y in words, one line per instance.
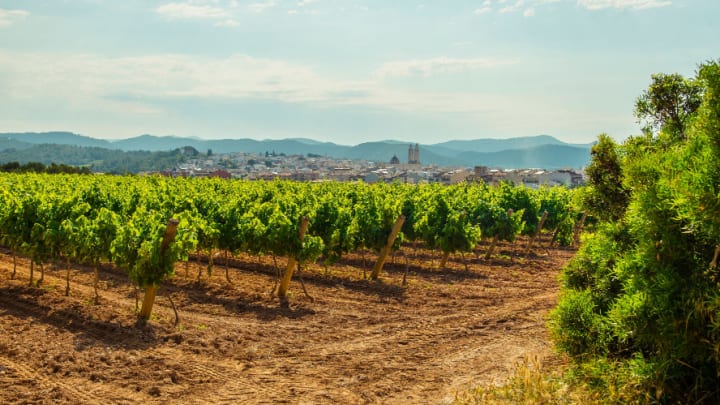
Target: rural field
column 354, row 341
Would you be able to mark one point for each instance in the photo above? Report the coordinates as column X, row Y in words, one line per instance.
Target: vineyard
column 397, row 286
column 146, row 225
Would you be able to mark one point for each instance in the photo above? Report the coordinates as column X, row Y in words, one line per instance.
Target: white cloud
column 142, row 84
column 515, row 7
column 8, row 17
column 527, row 7
column 482, row 10
column 428, row 67
column 260, row 7
column 178, row 11
column 634, row 4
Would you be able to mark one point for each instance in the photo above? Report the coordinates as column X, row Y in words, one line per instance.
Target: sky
column 345, row 71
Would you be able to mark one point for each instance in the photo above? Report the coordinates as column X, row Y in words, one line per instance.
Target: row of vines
column 145, row 225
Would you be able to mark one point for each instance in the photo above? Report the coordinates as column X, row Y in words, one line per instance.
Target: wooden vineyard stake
column 32, row 272
column 386, row 250
column 67, row 276
column 579, row 228
column 292, row 263
column 12, row 277
column 713, row 264
column 495, row 239
column 227, row 270
column 199, row 266
column 537, row 233
column 96, row 280
column 148, row 301
column 554, row 237
column 444, row 260
column 491, row 248
column 151, row 290
column 407, row 269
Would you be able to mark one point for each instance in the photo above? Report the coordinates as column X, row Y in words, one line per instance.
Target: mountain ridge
column 532, row 151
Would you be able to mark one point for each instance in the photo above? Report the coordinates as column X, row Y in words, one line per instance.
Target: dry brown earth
column 358, row 342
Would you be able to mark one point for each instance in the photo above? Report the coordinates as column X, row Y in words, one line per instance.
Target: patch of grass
column 530, row 384
column 49, row 287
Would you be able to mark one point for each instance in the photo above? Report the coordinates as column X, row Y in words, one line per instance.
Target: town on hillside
column 311, row 167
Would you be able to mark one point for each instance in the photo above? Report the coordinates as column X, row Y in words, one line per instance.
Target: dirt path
column 358, row 342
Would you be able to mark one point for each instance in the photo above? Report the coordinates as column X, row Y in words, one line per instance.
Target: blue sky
column 346, row 71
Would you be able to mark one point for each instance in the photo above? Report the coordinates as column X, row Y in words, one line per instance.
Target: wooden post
column 42, row 274
column 32, row 272
column 537, row 233
column 67, row 276
column 713, row 264
column 12, row 277
column 292, row 263
column 495, row 239
column 151, row 290
column 491, row 248
column 444, row 260
column 227, row 270
column 148, row 301
column 96, row 280
column 386, row 250
column 578, row 228
column 169, row 236
column 554, row 237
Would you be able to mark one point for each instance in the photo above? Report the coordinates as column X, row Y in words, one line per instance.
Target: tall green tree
column 608, row 197
column 668, row 103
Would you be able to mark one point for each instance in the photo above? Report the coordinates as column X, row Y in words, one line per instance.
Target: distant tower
column 414, row 154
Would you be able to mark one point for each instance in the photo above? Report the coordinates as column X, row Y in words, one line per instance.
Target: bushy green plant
column 582, row 326
column 640, row 308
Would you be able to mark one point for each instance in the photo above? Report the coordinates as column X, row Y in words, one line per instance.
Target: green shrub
column 640, row 308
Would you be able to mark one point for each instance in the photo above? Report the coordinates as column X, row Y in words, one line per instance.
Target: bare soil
column 359, row 341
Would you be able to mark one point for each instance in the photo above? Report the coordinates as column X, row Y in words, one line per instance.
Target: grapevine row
column 93, row 219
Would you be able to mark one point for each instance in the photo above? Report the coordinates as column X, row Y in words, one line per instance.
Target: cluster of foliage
column 127, row 220
column 37, row 167
column 640, row 310
column 95, row 218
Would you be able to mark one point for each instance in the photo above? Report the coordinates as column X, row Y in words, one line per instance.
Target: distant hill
column 550, row 157
column 58, row 138
column 13, row 144
column 97, row 159
column 542, row 151
column 497, row 145
column 383, row 151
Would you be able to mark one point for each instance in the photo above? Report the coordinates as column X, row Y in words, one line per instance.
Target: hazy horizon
column 200, row 138
column 343, row 71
